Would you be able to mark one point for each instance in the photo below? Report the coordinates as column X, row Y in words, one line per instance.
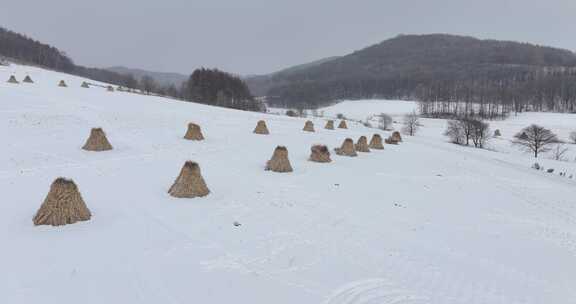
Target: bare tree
column 535, row 139
column 559, row 152
column 148, row 84
column 480, row 133
column 464, row 130
column 411, row 124
column 455, row 132
column 573, row 137
column 384, row 121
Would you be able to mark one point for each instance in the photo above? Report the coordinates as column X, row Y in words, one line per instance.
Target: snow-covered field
column 422, row 222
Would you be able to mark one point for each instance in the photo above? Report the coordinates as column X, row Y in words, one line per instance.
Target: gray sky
column 261, row 36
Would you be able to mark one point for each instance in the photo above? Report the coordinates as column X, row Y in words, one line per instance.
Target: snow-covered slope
column 422, row 222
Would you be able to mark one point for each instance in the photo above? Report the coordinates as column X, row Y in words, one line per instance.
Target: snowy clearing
column 422, row 222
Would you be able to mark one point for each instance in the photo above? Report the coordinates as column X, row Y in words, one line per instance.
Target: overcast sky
column 261, row 36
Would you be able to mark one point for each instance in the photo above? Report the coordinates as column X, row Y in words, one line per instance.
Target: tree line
column 449, row 75
column 208, row 86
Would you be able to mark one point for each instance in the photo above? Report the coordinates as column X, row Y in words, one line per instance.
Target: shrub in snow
column 384, row 121
column 536, row 166
column 291, row 113
column 550, row 170
column 411, row 124
column 573, row 137
column 497, row 133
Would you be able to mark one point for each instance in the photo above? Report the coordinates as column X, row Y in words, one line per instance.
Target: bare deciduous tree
column 559, row 152
column 480, row 133
column 536, row 139
column 148, row 84
column 384, row 121
column 464, row 130
column 573, row 137
column 411, row 124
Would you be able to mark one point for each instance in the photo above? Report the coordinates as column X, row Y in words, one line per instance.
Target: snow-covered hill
column 422, row 222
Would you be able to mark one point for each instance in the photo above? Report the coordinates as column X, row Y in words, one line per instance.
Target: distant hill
column 414, row 66
column 163, row 79
column 260, row 84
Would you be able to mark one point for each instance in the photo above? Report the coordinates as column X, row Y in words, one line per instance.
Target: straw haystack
column 97, row 141
column 12, row 79
column 62, row 84
column 189, row 183
column 343, row 125
column 329, row 125
column 27, row 79
column 261, row 128
column 85, row 85
column 194, row 132
column 391, row 141
column 376, row 142
column 279, row 161
column 347, row 148
column 396, row 136
column 362, row 144
column 309, row 126
column 63, row 205
column 320, row 154
column 110, row 88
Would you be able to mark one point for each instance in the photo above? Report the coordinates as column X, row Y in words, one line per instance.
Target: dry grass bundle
column 27, row 79
column 396, row 136
column 97, row 141
column 329, row 125
column 62, row 84
column 347, row 148
column 309, row 126
column 376, row 142
column 85, row 85
column 362, row 144
column 12, row 79
column 342, row 125
column 189, row 183
column 63, row 205
column 391, row 141
column 261, row 128
column 320, row 154
column 110, row 88
column 194, row 132
column 279, row 161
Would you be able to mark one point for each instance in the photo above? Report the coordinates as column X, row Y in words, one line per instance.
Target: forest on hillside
column 448, row 74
